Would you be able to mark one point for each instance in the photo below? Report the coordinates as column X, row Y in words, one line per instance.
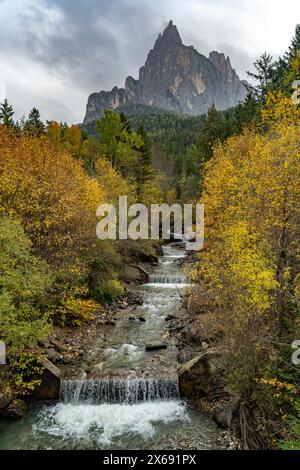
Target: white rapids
column 103, row 424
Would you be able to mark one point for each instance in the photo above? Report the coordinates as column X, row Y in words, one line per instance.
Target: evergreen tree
column 246, row 113
column 34, row 126
column 216, row 126
column 146, row 152
column 294, row 47
column 211, row 132
column 18, row 128
column 126, row 126
column 109, row 128
column 6, row 114
column 264, row 75
column 144, row 169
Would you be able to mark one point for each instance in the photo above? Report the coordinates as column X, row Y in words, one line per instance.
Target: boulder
column 197, row 376
column 123, row 305
column 58, row 345
column 52, row 355
column 110, row 323
column 185, row 354
column 225, row 415
column 191, row 334
column 177, row 328
column 17, row 409
column 44, row 344
column 170, row 318
column 50, row 384
column 142, row 319
column 6, row 395
column 134, row 274
column 5, row 401
column 156, row 346
column 222, row 417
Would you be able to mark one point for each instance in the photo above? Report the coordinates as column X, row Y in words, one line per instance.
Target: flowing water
column 120, row 396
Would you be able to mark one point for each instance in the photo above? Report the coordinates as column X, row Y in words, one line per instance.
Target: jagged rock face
column 176, row 78
column 98, row 102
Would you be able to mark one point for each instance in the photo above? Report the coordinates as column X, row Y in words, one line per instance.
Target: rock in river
column 50, row 385
column 170, row 318
column 198, row 376
column 156, row 346
column 17, row 409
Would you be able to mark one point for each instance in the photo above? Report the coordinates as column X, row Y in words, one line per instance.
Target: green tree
column 90, row 154
column 212, row 131
column 6, row 114
column 34, row 125
column 24, row 281
column 144, row 168
column 119, row 144
column 246, row 113
column 125, row 123
column 264, row 75
column 294, row 48
column 110, row 128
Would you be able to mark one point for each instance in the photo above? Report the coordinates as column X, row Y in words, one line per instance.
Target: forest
column 243, row 164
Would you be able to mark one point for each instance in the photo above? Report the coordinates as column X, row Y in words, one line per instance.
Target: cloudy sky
column 54, row 53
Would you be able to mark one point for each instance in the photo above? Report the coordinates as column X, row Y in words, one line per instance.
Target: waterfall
column 171, row 252
column 167, row 279
column 119, row 391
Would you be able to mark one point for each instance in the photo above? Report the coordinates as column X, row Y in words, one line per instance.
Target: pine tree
column 294, row 47
column 6, row 114
column 145, row 150
column 144, row 170
column 34, row 126
column 211, row 132
column 246, row 113
column 125, row 123
column 265, row 74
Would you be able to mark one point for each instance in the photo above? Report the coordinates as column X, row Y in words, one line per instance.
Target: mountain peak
column 219, row 59
column 170, row 35
column 176, row 78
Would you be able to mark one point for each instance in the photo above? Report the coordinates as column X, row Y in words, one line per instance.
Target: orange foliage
column 48, row 190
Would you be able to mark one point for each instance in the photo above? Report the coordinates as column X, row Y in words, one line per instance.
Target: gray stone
column 197, row 377
column 52, row 354
column 170, row 318
column 192, row 334
column 176, row 328
column 17, row 409
column 5, row 401
column 156, row 346
column 50, row 384
column 58, row 345
column 224, row 415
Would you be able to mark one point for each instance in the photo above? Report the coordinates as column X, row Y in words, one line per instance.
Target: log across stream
column 123, row 396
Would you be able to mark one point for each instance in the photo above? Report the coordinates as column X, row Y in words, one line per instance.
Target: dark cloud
column 90, row 42
column 54, row 53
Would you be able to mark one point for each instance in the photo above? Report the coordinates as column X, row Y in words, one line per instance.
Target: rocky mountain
column 176, row 78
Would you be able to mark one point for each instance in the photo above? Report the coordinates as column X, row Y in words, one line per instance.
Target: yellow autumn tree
column 49, row 191
column 251, row 259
